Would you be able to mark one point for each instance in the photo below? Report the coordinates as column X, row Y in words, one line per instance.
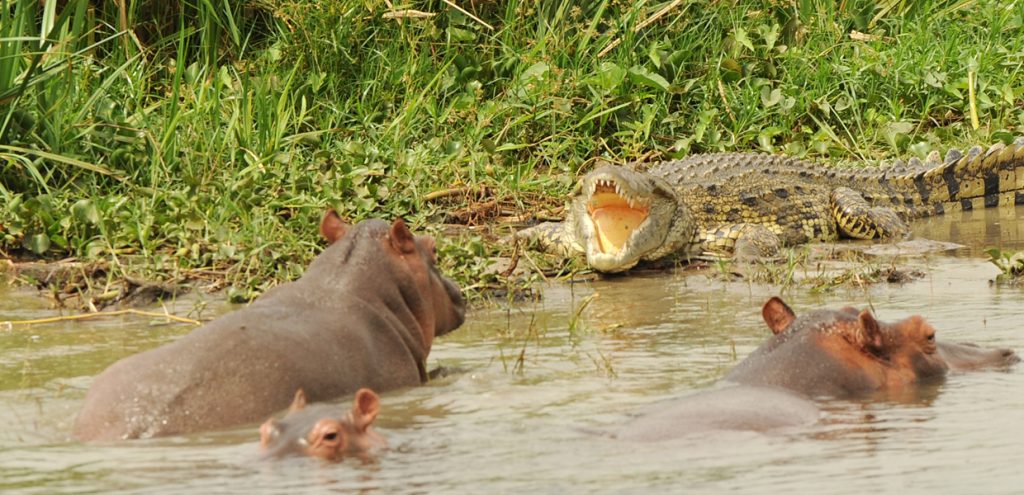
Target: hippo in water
column 840, row 353
column 319, row 431
column 364, row 315
column 828, row 353
column 957, row 356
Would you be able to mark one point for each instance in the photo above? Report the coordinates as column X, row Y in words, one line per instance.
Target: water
column 535, row 384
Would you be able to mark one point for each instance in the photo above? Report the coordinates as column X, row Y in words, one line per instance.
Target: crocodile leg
column 743, row 240
column 551, row 237
column 859, row 220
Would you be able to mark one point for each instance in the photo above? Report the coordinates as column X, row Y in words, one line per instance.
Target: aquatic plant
column 1010, row 264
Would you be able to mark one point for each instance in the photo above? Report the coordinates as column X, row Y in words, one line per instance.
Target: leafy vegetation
column 1010, row 265
column 171, row 137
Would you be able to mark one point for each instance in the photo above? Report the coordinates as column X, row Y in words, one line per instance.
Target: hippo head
column 840, row 353
column 911, row 351
column 956, row 356
column 316, row 432
column 968, row 357
column 435, row 301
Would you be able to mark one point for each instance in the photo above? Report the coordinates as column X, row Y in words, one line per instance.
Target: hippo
column 957, row 356
column 364, row 315
column 729, row 407
column 840, row 353
column 319, row 431
column 969, row 357
column 827, row 353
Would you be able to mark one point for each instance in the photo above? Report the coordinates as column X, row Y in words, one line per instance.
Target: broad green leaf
column 731, row 70
column 535, row 72
column 770, row 34
column 741, row 37
column 608, row 77
column 641, row 75
column 85, row 211
column 655, row 55
column 899, row 128
column 461, row 35
column 37, row 243
column 770, row 97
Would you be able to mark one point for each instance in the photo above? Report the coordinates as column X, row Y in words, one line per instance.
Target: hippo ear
column 269, row 431
column 332, row 227
column 777, row 315
column 365, row 408
column 401, row 238
column 871, row 333
column 299, row 402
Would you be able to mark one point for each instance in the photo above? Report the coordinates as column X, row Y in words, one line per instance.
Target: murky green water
column 534, row 383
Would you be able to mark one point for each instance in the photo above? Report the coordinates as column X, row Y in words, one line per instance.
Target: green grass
column 165, row 149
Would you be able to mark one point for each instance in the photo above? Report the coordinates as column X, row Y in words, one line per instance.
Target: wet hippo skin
column 364, row 315
column 955, row 355
column 730, row 407
column 323, row 430
column 969, row 357
column 827, row 353
column 840, row 353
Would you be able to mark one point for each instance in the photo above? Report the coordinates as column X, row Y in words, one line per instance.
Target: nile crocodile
column 750, row 204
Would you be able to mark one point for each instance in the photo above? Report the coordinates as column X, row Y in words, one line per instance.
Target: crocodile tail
column 978, row 179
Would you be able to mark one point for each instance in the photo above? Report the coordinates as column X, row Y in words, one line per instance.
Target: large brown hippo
column 840, row 353
column 828, row 353
column 364, row 315
column 319, row 431
column 957, row 356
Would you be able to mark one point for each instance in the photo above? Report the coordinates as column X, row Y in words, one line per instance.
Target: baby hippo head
column 317, row 431
column 435, row 300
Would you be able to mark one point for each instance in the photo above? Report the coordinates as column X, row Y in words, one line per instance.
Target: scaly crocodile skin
column 751, row 204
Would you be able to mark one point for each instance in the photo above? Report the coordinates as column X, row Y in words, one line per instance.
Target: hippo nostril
column 1010, row 356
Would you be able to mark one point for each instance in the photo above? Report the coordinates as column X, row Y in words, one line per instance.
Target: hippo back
column 363, row 315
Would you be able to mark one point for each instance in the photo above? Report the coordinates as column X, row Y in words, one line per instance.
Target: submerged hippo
column 319, row 431
column 840, row 353
column 968, row 357
column 956, row 356
column 834, row 353
column 730, row 407
column 364, row 315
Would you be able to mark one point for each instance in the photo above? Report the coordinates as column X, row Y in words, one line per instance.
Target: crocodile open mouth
column 615, row 214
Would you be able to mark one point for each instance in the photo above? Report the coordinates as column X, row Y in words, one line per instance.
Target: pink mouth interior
column 614, row 219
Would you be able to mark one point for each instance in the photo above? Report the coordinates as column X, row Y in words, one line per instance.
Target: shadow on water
column 532, row 378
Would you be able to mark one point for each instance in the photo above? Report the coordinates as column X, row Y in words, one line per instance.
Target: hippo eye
column 331, row 437
column 931, row 337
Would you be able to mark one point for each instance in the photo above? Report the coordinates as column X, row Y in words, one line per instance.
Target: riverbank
column 165, row 153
